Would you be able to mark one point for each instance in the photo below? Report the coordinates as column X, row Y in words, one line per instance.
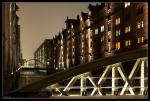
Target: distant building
column 44, row 55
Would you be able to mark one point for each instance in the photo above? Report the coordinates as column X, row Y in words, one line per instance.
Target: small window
column 102, row 28
column 109, row 35
column 118, row 21
column 127, row 29
column 118, row 45
column 126, row 43
column 129, row 42
column 116, row 33
column 138, row 25
column 138, row 40
column 119, row 32
column 142, row 25
column 142, row 39
column 126, row 4
column 96, row 31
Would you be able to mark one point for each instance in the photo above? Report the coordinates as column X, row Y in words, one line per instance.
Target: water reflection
column 27, row 77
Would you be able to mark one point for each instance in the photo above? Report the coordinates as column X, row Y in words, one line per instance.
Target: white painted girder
column 114, row 67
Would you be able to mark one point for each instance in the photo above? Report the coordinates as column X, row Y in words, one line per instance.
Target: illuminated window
column 96, row 31
column 142, row 39
column 127, row 29
column 126, row 43
column 117, row 33
column 142, row 25
column 117, row 21
column 71, row 25
column 102, row 28
column 129, row 41
column 138, row 40
column 126, row 4
column 138, row 25
column 118, row 45
column 109, row 34
column 89, row 13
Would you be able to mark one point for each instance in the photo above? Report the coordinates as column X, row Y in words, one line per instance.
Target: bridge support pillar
column 82, row 85
column 114, row 81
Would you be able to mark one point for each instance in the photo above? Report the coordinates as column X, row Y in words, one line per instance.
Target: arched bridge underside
column 113, row 77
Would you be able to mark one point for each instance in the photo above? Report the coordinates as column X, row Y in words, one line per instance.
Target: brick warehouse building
column 11, row 47
column 107, row 28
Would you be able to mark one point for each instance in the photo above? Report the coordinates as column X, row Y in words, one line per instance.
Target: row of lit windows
column 128, row 42
column 126, row 4
column 141, row 40
column 127, row 29
column 140, row 25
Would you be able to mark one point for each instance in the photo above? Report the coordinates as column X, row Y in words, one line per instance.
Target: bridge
column 61, row 83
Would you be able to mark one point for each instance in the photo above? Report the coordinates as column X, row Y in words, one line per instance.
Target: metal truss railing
column 97, row 86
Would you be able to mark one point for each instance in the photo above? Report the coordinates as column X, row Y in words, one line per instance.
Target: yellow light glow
column 118, row 45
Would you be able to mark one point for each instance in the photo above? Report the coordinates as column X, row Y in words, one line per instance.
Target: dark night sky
column 44, row 20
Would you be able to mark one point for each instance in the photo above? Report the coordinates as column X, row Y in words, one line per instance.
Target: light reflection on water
column 27, row 77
